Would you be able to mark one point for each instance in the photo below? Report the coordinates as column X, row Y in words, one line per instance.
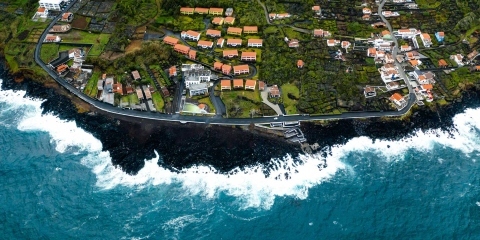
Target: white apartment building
column 52, row 4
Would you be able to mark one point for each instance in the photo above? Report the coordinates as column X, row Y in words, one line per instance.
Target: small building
column 405, row 48
column 60, row 28
column 472, row 55
column 225, row 84
column 458, row 58
column 389, row 58
column 248, row 56
column 118, row 88
column 172, row 71
column 367, row 11
column 399, row 100
column 366, row 17
column 187, row 10
column 216, row 11
column 294, row 43
column 442, row 63
column 414, row 63
column 205, row 44
column 220, row 42
column 201, row 10
column 317, row 10
column 52, row 38
column 192, row 54
column 427, row 41
column 261, row 85
column 250, row 29
column 332, row 42
column 346, row 44
column 318, row 33
column 250, row 84
column 392, row 86
column 230, row 53
column 62, row 68
column 300, row 63
column 234, row 42
column 229, row 12
column 229, row 20
column 217, row 20
column 237, row 83
column 386, row 34
column 440, row 36
column 274, row 91
column 407, row 32
column 255, row 42
column 234, row 31
column 52, row 4
column 136, row 75
column 170, row 40
column 181, row 49
column 369, row 92
column 198, row 89
column 213, row 33
column 241, row 69
column 371, row 52
column 191, row 35
column 217, row 66
column 129, row 89
column 67, row 17
column 226, row 69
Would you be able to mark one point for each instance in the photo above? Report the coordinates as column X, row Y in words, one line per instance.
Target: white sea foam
column 250, row 187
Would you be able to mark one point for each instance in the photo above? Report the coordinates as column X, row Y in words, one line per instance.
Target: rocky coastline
column 130, row 140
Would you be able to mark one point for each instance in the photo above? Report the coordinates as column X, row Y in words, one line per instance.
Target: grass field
column 290, row 104
column 98, row 40
column 48, row 52
column 158, row 101
column 244, row 100
column 207, row 101
column 91, row 87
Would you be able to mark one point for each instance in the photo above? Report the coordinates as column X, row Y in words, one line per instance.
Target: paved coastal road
column 196, row 119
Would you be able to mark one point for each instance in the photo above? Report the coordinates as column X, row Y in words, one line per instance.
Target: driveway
column 275, row 107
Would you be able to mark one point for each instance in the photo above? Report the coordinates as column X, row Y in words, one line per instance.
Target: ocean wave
column 288, row 177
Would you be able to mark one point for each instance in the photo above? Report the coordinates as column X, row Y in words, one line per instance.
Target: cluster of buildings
column 196, row 78
column 180, row 48
column 241, row 84
column 205, row 11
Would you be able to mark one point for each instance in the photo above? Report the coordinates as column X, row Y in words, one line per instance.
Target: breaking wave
column 290, row 176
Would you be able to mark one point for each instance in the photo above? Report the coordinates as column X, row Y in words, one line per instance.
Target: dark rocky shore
column 130, row 141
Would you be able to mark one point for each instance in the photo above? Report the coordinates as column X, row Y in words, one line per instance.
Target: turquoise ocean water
column 56, row 183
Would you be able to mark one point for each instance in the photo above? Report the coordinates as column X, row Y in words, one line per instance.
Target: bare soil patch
column 23, row 35
column 80, row 22
column 133, row 46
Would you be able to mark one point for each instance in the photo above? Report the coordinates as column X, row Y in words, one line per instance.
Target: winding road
column 101, row 106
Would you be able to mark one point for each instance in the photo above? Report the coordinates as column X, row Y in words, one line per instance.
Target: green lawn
column 158, row 101
column 91, row 87
column 133, row 98
column 48, row 52
column 290, row 104
column 98, row 40
column 243, row 100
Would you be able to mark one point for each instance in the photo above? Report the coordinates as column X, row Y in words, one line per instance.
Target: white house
column 42, row 12
column 196, row 76
column 255, row 42
column 192, row 35
column 458, row 58
column 407, row 32
column 52, row 4
column 198, row 89
column 332, row 42
column 427, row 41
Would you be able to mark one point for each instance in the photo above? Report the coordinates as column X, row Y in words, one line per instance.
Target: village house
column 225, row 84
column 367, row 11
column 458, row 58
column 412, row 55
column 371, row 52
column 170, row 40
column 52, row 38
column 234, row 42
column 300, row 63
column 217, row 20
column 217, row 66
column 318, row 32
column 52, row 4
column 345, row 44
column 62, row 68
column 226, row 69
column 200, row 10
column 384, row 47
column 386, row 34
column 399, row 100
column 198, row 89
column 392, row 86
column 442, row 63
column 390, row 14
column 191, row 35
column 241, row 69
column 414, row 63
column 229, row 20
column 172, row 71
column 426, row 91
column 220, row 42
column 472, row 55
column 230, row 53
column 380, row 55
column 192, row 54
column 181, row 49
column 229, row 12
column 407, row 32
column 234, row 31
column 424, row 77
column 366, row 17
column 196, row 76
column 369, row 92
column 389, row 58
column 332, row 42
column 248, row 56
column 117, row 88
column 379, row 25
column 405, row 48
column 67, row 17
column 250, row 84
column 187, row 10
column 261, row 85
column 205, row 44
column 139, row 93
column 213, row 33
column 250, row 29
column 274, row 91
column 389, row 75
column 317, row 10
column 216, row 11
column 293, row 43
column 440, row 36
column 136, row 75
column 427, row 41
column 237, row 83
column 255, row 42
column 60, row 28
